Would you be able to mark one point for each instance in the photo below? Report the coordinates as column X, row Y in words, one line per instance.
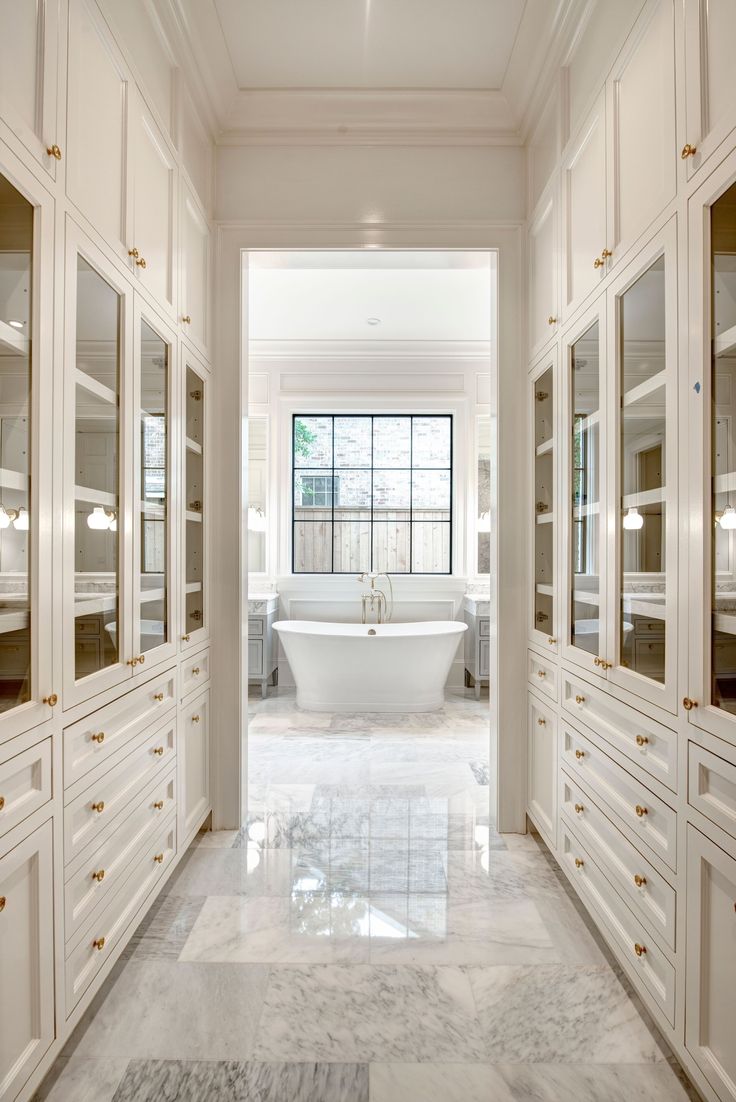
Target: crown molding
column 369, row 117
column 348, row 351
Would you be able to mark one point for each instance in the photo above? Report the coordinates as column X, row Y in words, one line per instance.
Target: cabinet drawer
column 484, row 628
column 194, row 769
column 542, row 674
column 645, row 890
column 484, row 658
column 111, row 794
column 25, row 782
column 644, row 741
column 195, row 672
column 97, row 874
column 106, row 929
column 650, row 819
column 542, row 767
column 255, row 626
column 96, row 738
column 641, row 951
column 711, row 787
column 255, row 658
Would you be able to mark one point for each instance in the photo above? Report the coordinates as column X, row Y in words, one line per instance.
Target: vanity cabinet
column 263, row 644
column 477, row 643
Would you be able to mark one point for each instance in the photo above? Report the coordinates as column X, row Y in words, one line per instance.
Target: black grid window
column 372, row 492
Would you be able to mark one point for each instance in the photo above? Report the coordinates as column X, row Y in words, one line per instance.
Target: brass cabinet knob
column 580, row 754
column 141, row 658
column 689, row 704
column 159, row 805
column 2, row 802
column 579, row 808
column 551, row 320
column 640, row 881
column 158, row 750
column 580, row 700
column 641, row 811
column 579, row 863
column 134, row 253
column 598, row 263
column 140, row 262
column 186, row 320
column 552, row 641
column 158, row 696
column 605, row 254
column 98, row 943
column 596, row 661
column 541, row 722
column 641, row 740
column 98, row 875
column 640, row 950
column 688, row 151
column 3, row 901
column 55, row 152
column 195, row 671
column 541, row 673
column 195, row 719
column 99, row 807
column 132, row 661
column 52, row 700
column 158, row 858
column 98, row 737
column 185, row 638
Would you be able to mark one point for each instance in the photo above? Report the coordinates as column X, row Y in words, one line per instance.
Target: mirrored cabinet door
column 195, row 624
column 585, row 444
column 98, row 642
column 642, row 358
column 153, row 544
column 544, row 401
column 26, row 229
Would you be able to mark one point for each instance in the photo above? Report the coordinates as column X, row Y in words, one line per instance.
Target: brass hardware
column 195, row 506
column 541, row 617
column 158, row 750
column 132, row 662
column 159, row 805
column 605, row 254
column 596, row 661
column 158, row 696
column 640, row 881
column 141, row 262
column 134, row 253
column 185, row 638
column 195, row 671
column 158, row 858
column 579, row 863
column 541, row 673
column 689, row 704
column 371, row 631
column 141, row 658
column 640, row 950
column 605, row 665
column 99, row 737
column 99, row 875
column 552, row 641
column 2, row 802
column 579, row 809
column 541, row 722
column 196, row 395
column 688, row 151
column 186, row 320
column 98, row 943
column 55, row 152
column 99, row 807
column 2, row 902
column 641, row 811
column 580, row 754
column 641, row 740
column 598, row 263
column 52, row 700
column 542, row 507
column 551, row 320
column 195, row 719
column 579, row 699
column 541, row 395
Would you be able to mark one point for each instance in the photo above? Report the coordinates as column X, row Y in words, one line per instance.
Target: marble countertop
column 477, row 603
column 262, row 602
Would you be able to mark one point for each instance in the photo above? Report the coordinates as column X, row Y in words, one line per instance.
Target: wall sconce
column 633, row 519
column 256, row 519
column 17, row 517
column 102, row 520
column 727, row 519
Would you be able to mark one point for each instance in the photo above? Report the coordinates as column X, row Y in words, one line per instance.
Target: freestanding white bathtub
column 370, row 667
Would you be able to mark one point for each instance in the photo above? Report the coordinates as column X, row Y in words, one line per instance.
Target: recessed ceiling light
column 16, row 324
column 374, row 321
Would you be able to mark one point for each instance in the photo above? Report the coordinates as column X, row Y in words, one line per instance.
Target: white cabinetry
column 152, row 235
column 194, row 772
column 543, row 267
column 195, row 513
column 29, row 95
column 584, row 209
column 710, row 78
column 544, row 435
column 195, row 267
column 542, row 766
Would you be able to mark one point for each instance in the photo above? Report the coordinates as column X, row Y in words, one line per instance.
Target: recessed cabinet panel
column 194, row 743
column 543, row 628
column 195, row 625
column 644, row 154
column 543, row 274
column 26, row 956
column 28, row 71
column 710, row 85
column 584, row 184
column 195, row 249
column 542, row 780
column 154, row 184
column 97, row 127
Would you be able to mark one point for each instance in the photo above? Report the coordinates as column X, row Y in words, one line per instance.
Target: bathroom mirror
column 483, row 475
column 257, row 492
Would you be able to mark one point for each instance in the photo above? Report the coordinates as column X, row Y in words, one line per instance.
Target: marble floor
column 366, row 936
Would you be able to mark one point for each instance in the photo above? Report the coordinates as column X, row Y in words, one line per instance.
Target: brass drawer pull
column 54, row 151
column 598, row 263
column 641, row 740
column 640, row 881
column 580, row 754
column 541, row 673
column 52, row 700
column 579, row 808
column 3, row 901
column 98, row 943
column 579, row 863
column 552, row 641
column 141, row 658
column 158, row 750
column 195, row 719
column 641, row 811
column 640, row 950
column 606, row 253
column 186, row 320
column 689, row 704
column 195, row 671
column 98, row 738
column 185, row 638
column 688, row 151
column 132, row 661
column 580, row 700
column 99, row 807
column 98, row 875
column 541, row 722
column 158, row 696
column 159, row 805
column 551, row 320
column 158, row 858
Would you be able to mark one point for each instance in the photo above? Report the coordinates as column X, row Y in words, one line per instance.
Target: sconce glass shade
column 728, row 518
column 256, row 519
column 98, row 519
column 633, row 519
column 22, row 521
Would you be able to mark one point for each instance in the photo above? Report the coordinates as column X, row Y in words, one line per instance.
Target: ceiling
column 364, row 70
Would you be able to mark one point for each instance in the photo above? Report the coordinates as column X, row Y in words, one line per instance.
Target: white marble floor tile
column 563, row 1013
column 362, row 1012
column 215, row 839
column 79, row 1079
column 247, row 870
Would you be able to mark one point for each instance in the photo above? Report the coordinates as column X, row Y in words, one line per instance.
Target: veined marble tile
column 363, row 1012
column 480, row 771
column 215, row 839
column 436, row 750
column 164, row 931
column 519, row 1083
column 232, row 1081
column 245, row 870
column 562, row 1013
column 372, row 865
column 175, row 1010
column 75, row 1079
column 272, row 796
column 379, row 723
column 310, row 927
column 485, row 874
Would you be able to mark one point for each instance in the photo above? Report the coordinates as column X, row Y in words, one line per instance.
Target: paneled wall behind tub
column 105, row 226
column 631, row 736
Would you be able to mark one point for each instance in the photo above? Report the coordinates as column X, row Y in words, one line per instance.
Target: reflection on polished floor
column 367, row 935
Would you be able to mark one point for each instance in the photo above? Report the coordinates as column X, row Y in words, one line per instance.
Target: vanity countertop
column 479, row 604
column 262, row 602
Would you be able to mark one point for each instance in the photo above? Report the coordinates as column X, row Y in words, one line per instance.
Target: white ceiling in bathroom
column 371, row 296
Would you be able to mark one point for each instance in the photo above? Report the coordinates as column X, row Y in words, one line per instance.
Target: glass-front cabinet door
column 98, row 644
column 640, row 651
column 26, row 239
column 153, row 530
column 710, row 694
column 543, row 406
column 584, row 544
column 195, row 622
